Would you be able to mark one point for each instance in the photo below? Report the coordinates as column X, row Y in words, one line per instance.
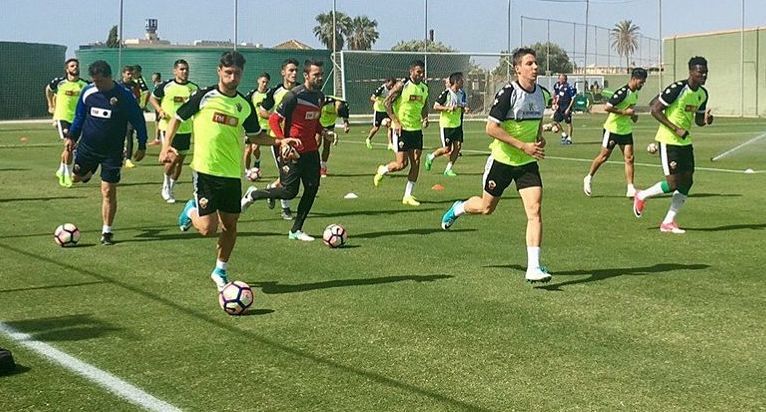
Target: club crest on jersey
column 239, row 107
column 221, row 118
column 113, row 101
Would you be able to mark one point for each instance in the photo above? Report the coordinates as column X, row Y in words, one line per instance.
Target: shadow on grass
column 39, row 199
column 18, row 370
column 12, row 169
column 237, row 333
column 156, row 235
column 744, row 226
column 257, row 312
column 97, row 231
column 273, row 287
column 407, row 232
column 603, row 274
column 63, row 328
column 69, row 285
column 371, row 212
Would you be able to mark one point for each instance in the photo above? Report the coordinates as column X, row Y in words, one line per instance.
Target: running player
column 220, row 115
column 618, row 130
column 515, row 122
column 563, row 99
column 103, row 112
column 167, row 97
column 257, row 96
column 332, row 107
column 407, row 108
column 380, row 116
column 270, row 103
column 62, row 94
column 129, row 83
column 679, row 104
column 451, row 104
column 298, row 116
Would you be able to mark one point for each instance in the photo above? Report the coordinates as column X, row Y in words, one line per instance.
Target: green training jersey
column 332, row 107
column 455, row 99
column 172, row 95
column 257, row 99
column 67, row 93
column 219, row 122
column 681, row 106
column 520, row 113
column 409, row 105
column 274, row 97
column 380, row 95
column 622, row 99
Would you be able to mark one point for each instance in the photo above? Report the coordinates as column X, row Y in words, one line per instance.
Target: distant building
column 150, row 37
column 293, row 45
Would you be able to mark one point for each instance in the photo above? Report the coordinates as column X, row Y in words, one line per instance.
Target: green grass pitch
column 407, row 317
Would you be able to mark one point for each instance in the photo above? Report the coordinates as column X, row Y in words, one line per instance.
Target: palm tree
column 323, row 30
column 625, row 39
column 363, row 33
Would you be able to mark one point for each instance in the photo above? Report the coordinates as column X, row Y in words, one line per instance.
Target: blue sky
column 477, row 25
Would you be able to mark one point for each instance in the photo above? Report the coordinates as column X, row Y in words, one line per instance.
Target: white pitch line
column 574, row 159
column 112, row 383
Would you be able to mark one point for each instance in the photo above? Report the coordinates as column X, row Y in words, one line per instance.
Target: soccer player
column 563, row 98
column 332, row 107
column 167, row 97
column 380, row 115
column 451, row 104
column 515, row 122
column 62, row 94
column 297, row 116
column 270, row 103
column 618, row 129
column 103, row 112
column 129, row 83
column 675, row 108
column 156, row 80
column 138, row 77
column 257, row 96
column 220, row 116
column 406, row 106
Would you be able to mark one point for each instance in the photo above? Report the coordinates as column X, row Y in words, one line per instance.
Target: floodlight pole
column 236, row 6
column 119, row 41
column 659, row 61
column 742, row 63
column 334, row 47
column 585, row 59
column 425, row 39
column 508, row 66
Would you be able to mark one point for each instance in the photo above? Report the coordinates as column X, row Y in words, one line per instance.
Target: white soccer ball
column 555, row 128
column 235, row 297
column 386, row 122
column 652, row 148
column 253, row 174
column 335, row 236
column 66, row 235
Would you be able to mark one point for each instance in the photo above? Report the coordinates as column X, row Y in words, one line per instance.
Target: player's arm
column 50, row 97
column 136, row 118
column 661, row 102
column 70, row 140
column 376, row 94
column 703, row 116
column 155, row 99
column 503, row 103
column 571, row 99
column 280, row 121
column 264, row 110
column 394, row 94
column 439, row 104
column 343, row 112
column 424, row 115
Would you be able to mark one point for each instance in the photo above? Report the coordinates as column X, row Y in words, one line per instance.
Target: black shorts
column 304, row 169
column 181, row 142
column 676, row 159
column 329, row 128
column 63, row 128
column 86, row 162
column 215, row 193
column 379, row 117
column 497, row 176
column 409, row 140
column 450, row 135
column 610, row 140
column 559, row 117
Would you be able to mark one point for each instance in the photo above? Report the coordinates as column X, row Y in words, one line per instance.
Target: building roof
column 293, row 45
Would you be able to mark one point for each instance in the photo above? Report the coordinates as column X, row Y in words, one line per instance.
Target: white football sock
column 285, row 203
column 678, row 201
column 449, row 167
column 460, row 209
column 220, row 264
column 165, row 181
column 533, row 257
column 172, row 183
column 383, row 170
column 323, row 165
column 106, row 229
column 655, row 190
column 409, row 188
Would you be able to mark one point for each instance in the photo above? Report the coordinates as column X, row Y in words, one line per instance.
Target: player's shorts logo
column 401, row 143
column 611, row 143
column 286, row 168
column 203, row 203
column 673, row 165
column 491, row 184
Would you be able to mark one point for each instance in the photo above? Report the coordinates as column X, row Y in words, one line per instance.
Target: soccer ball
column 547, row 127
column 235, row 297
column 385, row 122
column 66, row 235
column 253, row 174
column 651, row 148
column 555, row 128
column 335, row 236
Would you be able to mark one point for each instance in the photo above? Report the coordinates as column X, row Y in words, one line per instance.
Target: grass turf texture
column 407, row 317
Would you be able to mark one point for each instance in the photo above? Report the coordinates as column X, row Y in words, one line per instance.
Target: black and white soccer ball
column 335, row 236
column 66, row 235
column 236, row 297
